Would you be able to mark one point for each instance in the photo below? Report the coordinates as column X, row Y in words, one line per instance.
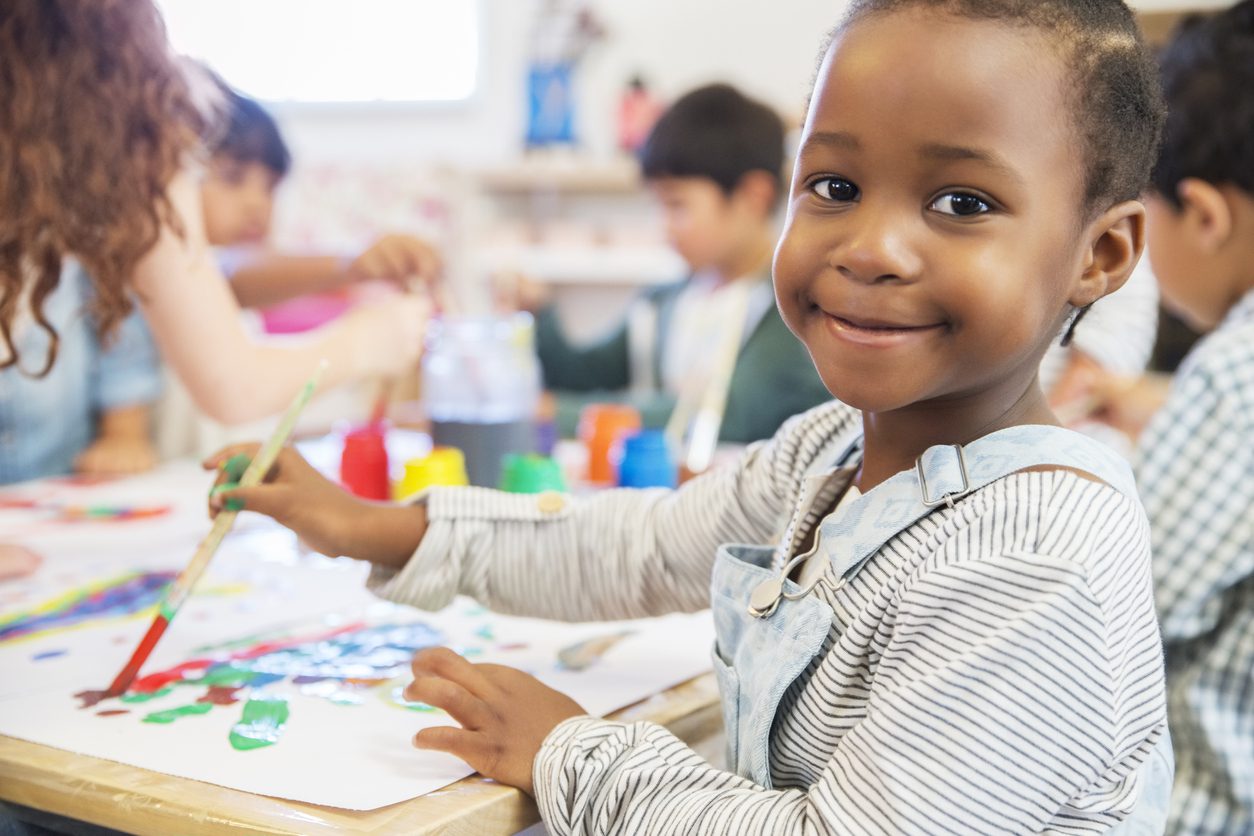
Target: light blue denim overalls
column 769, row 629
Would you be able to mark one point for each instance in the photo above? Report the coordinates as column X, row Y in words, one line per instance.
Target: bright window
column 332, row 50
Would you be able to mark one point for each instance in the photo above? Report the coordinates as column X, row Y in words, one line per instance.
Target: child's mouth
column 877, row 332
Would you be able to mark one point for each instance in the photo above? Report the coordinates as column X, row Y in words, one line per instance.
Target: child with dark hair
column 248, row 162
column 956, row 633
column 1196, row 458
column 714, row 161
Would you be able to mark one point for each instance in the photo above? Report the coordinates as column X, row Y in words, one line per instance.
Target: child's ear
column 1207, row 217
column 758, row 189
column 1116, row 238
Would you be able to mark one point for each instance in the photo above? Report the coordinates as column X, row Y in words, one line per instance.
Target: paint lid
column 530, row 473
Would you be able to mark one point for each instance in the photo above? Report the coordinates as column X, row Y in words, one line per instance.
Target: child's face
column 706, row 226
column 238, row 199
column 1192, row 274
column 933, row 236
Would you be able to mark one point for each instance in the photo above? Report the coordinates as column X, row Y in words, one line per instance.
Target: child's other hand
column 295, row 495
column 505, row 714
column 1074, row 389
column 397, row 258
column 516, row 292
column 390, row 334
column 17, row 561
column 116, row 456
column 1128, row 404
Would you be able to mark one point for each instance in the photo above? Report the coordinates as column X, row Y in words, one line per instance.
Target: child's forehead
column 920, row 72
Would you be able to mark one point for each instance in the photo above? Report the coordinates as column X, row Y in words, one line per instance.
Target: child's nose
column 875, row 247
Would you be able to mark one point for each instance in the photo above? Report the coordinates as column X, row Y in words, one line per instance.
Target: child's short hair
column 1208, row 79
column 251, row 135
column 715, row 132
column 1117, row 103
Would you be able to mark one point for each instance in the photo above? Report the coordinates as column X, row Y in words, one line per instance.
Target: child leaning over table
column 957, row 631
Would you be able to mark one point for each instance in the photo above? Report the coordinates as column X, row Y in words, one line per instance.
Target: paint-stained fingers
column 443, row 663
column 227, row 453
column 468, row 710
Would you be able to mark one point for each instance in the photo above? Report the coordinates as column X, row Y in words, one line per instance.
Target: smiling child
column 956, row 632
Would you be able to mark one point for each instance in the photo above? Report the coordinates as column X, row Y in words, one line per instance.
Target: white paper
column 355, row 756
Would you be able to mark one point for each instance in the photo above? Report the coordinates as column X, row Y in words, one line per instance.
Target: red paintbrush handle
column 127, row 676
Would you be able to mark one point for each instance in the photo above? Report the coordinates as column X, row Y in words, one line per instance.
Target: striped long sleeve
column 994, row 668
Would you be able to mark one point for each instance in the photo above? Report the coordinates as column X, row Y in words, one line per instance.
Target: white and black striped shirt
column 995, row 667
column 1196, row 477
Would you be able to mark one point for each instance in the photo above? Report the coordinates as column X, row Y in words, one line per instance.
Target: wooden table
column 138, row 801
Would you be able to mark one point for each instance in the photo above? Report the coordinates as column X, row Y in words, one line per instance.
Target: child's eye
column 835, row 188
column 960, row 204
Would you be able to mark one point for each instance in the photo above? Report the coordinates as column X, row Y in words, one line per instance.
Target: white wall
column 767, row 47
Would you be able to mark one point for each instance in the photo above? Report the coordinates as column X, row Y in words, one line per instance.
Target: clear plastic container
column 481, row 388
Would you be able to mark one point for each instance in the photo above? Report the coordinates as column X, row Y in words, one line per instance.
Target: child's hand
column 397, row 258
column 390, row 334
column 328, row 518
column 513, row 292
column 505, row 714
column 1128, row 404
column 116, row 456
column 294, row 494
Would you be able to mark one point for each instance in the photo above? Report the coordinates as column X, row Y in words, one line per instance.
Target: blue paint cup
column 646, row 462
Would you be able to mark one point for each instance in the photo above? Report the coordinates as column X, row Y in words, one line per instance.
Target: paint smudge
column 113, row 712
column 146, row 696
column 261, row 723
column 89, row 698
column 485, row 633
column 123, row 595
column 220, row 695
column 172, row 714
column 48, row 654
column 515, row 646
column 584, row 654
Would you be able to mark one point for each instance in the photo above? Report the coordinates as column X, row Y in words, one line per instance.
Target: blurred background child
column 714, row 162
column 1195, row 460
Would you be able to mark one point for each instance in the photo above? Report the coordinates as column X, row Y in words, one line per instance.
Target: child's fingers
column 226, row 453
column 467, row 745
column 443, row 663
column 270, row 500
column 468, row 710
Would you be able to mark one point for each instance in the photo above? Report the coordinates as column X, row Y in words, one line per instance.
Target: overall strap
column 947, row 472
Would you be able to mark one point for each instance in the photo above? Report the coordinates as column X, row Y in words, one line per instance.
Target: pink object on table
column 305, row 313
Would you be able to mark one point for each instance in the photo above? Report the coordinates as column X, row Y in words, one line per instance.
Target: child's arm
column 232, row 377
column 125, row 382
column 985, row 716
column 616, row 554
column 123, row 443
column 273, row 278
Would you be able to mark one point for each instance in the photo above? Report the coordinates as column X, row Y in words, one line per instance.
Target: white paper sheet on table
column 351, row 756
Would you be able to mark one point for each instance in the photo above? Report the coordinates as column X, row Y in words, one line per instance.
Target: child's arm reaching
column 277, row 277
column 232, row 377
column 617, row 554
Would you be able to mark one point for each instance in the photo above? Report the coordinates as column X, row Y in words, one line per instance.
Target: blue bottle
column 647, row 462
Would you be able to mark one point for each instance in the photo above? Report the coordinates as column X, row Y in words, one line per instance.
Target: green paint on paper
column 261, row 724
column 137, row 696
column 227, row 676
column 172, row 714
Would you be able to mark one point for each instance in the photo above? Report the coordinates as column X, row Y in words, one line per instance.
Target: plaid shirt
column 1196, row 475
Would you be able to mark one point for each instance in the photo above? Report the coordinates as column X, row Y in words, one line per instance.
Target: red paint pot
column 364, row 462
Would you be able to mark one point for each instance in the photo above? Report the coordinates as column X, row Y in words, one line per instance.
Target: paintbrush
column 179, row 589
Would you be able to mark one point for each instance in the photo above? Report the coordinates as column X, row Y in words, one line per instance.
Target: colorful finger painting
column 340, row 665
column 124, row 595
